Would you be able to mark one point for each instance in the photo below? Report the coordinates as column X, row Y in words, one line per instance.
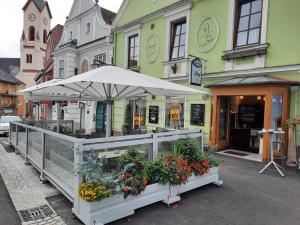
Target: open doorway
column 246, row 120
column 240, row 120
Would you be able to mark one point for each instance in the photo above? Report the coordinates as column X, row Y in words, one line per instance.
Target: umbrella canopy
column 108, row 83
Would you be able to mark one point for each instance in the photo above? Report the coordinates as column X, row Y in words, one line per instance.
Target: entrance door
column 101, row 118
column 223, row 133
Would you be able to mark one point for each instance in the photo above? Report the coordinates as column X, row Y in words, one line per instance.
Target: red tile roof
column 108, row 15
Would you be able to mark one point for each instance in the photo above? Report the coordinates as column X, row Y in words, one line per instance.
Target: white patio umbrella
column 109, row 83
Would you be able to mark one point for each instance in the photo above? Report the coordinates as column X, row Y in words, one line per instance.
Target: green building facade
column 241, row 46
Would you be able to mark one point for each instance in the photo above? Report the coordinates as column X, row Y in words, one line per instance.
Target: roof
column 251, row 80
column 56, row 34
column 9, row 68
column 108, row 16
column 40, row 4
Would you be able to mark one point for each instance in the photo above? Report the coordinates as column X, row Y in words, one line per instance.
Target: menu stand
column 271, row 133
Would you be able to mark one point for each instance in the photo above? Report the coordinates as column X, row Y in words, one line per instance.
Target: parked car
column 4, row 123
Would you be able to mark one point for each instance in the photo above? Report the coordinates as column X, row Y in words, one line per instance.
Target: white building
column 85, row 44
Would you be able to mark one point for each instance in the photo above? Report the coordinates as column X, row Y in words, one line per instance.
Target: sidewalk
column 8, row 214
column 26, row 191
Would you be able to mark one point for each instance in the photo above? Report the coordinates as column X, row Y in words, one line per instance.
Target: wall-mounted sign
column 196, row 72
column 153, row 114
column 207, row 34
column 197, row 114
column 152, row 48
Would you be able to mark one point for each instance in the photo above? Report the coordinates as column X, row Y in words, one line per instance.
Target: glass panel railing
column 35, row 146
column 21, row 139
column 108, row 159
column 13, row 131
column 59, row 159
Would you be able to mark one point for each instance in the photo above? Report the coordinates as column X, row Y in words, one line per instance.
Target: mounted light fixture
column 174, row 68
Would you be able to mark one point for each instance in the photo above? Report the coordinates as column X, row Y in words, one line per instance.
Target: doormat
column 236, row 153
column 37, row 213
column 8, row 148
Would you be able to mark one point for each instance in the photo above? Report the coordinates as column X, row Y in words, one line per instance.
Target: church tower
column 33, row 43
column 36, row 27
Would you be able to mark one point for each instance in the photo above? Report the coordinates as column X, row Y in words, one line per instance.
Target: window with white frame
column 178, row 39
column 0, row 86
column 133, row 51
column 248, row 22
column 100, row 58
column 9, row 88
column 61, row 68
column 88, row 28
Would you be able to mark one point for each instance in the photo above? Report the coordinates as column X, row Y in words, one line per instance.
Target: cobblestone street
column 25, row 188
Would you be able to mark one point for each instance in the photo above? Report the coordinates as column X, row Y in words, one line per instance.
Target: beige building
column 36, row 26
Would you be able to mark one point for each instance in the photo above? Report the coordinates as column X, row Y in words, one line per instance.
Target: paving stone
column 25, row 188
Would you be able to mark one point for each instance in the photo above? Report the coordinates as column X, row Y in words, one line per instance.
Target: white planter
column 116, row 207
column 194, row 182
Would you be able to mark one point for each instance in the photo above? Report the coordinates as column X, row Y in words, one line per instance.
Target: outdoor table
column 272, row 133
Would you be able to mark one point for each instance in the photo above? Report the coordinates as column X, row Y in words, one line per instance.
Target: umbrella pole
column 58, row 116
column 109, row 118
column 109, row 112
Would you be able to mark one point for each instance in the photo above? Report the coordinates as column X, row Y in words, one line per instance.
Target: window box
column 116, row 207
column 253, row 50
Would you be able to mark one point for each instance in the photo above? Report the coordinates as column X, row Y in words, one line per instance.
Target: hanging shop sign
column 175, row 113
column 197, row 114
column 152, row 48
column 208, row 34
column 196, row 72
column 153, row 114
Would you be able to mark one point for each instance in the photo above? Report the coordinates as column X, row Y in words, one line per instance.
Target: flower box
column 116, row 207
column 194, row 182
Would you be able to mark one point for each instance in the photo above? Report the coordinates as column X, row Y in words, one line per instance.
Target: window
column 31, row 33
column 248, row 22
column 61, row 68
column 28, row 58
column 101, row 58
column 88, row 28
column 9, row 101
column 174, row 112
column 44, row 36
column 0, row 86
column 85, row 66
column 178, row 39
column 133, row 51
column 71, row 36
column 9, row 88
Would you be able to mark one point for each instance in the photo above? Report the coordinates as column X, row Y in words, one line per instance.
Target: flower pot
column 194, row 182
column 116, row 207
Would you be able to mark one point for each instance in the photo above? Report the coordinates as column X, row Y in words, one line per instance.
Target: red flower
column 145, row 182
column 125, row 190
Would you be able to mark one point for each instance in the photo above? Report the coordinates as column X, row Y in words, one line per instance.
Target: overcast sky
column 11, row 21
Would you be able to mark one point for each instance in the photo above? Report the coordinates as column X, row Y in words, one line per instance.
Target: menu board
column 153, row 114
column 197, row 114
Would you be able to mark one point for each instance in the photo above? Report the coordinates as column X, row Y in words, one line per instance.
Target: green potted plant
column 128, row 120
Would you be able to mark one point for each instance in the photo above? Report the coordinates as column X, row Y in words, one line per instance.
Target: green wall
column 139, row 8
column 283, row 36
column 283, row 33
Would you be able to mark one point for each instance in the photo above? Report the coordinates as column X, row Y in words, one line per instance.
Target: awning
column 252, row 80
column 108, row 83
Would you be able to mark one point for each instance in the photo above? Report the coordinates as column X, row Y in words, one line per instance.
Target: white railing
column 57, row 156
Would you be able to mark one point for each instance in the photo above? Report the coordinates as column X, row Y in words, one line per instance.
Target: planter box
column 116, row 207
column 194, row 182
